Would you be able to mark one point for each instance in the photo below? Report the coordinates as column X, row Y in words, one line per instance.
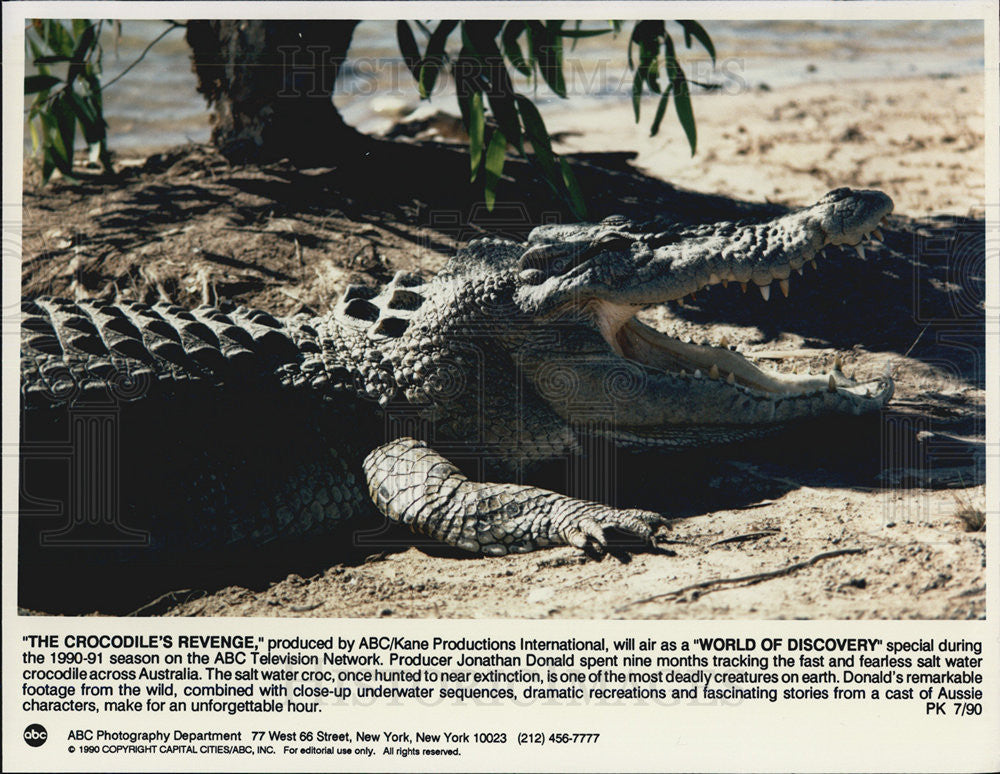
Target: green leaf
column 80, row 53
column 48, row 167
column 559, row 176
column 495, row 155
column 682, row 95
column 682, row 104
column 434, row 57
column 465, row 85
column 36, row 83
column 500, row 90
column 36, row 52
column 86, row 41
column 511, row 31
column 427, row 75
column 547, row 49
column 636, row 92
column 645, row 35
column 476, row 126
column 408, row 48
column 694, row 29
column 529, row 48
column 57, row 37
column 578, row 33
column 36, row 142
column 65, row 132
column 94, row 97
column 92, row 123
column 660, row 110
column 575, row 196
column 649, row 65
column 538, row 135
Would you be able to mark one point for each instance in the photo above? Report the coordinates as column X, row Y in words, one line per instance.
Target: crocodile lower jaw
column 642, row 344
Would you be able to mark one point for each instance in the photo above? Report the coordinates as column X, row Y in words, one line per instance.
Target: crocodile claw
column 587, row 531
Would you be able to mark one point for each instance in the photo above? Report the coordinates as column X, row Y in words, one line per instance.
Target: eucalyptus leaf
column 636, row 92
column 661, row 109
column 577, row 204
column 512, row 50
column 55, row 59
column 57, row 37
column 538, row 135
column 36, row 83
column 434, row 57
column 476, row 126
column 408, row 48
column 547, row 49
column 682, row 94
column 695, row 30
column 578, row 33
column 496, row 153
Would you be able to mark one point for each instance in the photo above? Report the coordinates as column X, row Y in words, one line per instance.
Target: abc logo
column 35, row 735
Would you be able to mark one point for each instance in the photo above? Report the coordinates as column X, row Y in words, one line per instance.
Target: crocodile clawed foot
column 587, row 532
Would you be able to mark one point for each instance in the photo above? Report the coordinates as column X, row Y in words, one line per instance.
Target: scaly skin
column 230, row 426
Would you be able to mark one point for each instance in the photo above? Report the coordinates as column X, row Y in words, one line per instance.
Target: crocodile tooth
column 743, row 286
column 878, row 235
column 812, row 262
column 731, row 379
column 725, row 282
column 860, row 251
column 868, row 393
column 785, row 287
column 765, row 291
column 723, row 342
column 713, row 279
column 680, row 302
column 713, row 372
column 800, row 271
column 838, row 364
column 831, row 384
column 683, row 372
column 697, row 373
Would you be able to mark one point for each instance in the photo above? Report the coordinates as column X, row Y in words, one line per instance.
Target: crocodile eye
column 608, row 242
column 551, row 258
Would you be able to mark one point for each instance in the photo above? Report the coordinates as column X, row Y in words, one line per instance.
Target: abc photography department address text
column 263, row 681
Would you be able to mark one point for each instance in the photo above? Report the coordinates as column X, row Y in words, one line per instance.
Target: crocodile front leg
column 415, row 485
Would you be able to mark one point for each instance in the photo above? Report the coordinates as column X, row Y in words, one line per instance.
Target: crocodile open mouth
column 642, row 344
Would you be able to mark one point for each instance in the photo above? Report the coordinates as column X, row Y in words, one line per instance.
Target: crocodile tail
column 72, row 349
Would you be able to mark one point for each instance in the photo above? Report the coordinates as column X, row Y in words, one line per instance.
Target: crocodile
column 151, row 427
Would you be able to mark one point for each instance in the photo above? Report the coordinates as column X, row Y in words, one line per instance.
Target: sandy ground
column 865, row 525
column 920, row 140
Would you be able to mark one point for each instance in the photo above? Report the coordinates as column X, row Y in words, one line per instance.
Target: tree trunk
column 270, row 84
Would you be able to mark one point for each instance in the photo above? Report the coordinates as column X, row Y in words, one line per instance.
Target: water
column 156, row 104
